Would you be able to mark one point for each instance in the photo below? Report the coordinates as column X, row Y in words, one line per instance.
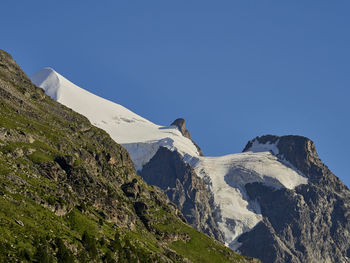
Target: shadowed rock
column 189, row 192
column 180, row 124
column 310, row 223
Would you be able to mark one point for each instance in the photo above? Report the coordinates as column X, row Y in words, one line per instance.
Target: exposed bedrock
column 180, row 124
column 189, row 192
column 308, row 224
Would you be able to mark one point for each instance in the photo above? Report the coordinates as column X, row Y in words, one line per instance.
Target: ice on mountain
column 226, row 175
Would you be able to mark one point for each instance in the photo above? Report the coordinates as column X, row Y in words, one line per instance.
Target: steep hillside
column 69, row 193
column 276, row 200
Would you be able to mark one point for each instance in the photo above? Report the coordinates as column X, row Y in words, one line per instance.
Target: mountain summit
column 127, row 128
column 276, row 200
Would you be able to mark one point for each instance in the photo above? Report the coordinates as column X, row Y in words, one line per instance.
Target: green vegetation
column 200, row 248
column 62, row 200
column 81, row 223
column 40, row 157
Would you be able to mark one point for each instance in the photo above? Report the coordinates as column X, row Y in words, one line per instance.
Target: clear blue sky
column 233, row 69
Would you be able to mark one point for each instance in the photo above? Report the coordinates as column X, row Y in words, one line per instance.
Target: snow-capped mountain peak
column 226, row 175
column 138, row 135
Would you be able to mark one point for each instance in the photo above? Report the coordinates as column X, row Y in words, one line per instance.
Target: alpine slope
column 225, row 176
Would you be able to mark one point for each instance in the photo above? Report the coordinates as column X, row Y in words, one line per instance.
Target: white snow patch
column 264, row 147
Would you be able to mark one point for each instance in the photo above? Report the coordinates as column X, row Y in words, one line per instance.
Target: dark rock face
column 301, row 153
column 308, row 224
column 180, row 123
column 189, row 192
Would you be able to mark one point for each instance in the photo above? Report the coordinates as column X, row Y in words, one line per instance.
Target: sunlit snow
column 226, row 176
column 140, row 137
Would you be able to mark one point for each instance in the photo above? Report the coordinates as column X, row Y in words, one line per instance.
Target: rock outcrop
column 189, row 192
column 180, row 124
column 308, row 224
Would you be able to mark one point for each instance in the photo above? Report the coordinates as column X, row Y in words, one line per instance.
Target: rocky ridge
column 308, row 224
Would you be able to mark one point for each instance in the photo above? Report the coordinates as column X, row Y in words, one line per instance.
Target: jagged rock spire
column 180, row 124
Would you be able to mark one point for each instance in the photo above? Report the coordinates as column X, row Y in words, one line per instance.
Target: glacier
column 226, row 176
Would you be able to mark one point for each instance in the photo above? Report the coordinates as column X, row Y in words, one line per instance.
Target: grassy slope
column 61, row 196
